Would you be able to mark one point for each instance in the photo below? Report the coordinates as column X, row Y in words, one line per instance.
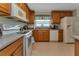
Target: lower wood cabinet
column 41, row 35
column 60, row 36
column 14, row 49
column 19, row 51
column 76, row 47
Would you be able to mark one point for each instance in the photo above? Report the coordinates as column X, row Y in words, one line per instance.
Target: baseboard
column 70, row 43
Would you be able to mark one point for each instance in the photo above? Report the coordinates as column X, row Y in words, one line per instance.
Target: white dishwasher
column 54, row 35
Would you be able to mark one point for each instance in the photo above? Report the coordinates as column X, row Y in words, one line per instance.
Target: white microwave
column 16, row 13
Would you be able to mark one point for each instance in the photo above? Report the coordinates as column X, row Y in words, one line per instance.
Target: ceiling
column 48, row 7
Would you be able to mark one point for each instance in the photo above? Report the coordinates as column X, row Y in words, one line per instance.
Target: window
column 42, row 23
column 42, row 17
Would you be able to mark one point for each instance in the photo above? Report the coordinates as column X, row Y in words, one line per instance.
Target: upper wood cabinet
column 57, row 15
column 56, row 18
column 41, row 35
column 5, row 9
column 31, row 17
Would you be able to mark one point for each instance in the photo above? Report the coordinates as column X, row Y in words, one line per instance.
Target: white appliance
column 54, row 35
column 67, row 24
column 27, row 43
column 16, row 13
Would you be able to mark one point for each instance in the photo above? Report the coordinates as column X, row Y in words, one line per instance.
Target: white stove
column 27, row 43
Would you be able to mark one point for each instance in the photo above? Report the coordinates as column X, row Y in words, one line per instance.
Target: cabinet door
column 76, row 47
column 27, row 12
column 38, row 35
column 56, row 18
column 41, row 35
column 31, row 17
column 46, row 35
column 5, row 8
column 19, row 51
column 35, row 34
column 60, row 36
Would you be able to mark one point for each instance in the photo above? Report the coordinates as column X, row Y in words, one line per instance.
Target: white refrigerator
column 70, row 26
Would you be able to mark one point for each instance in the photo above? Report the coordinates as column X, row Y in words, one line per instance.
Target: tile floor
column 52, row 49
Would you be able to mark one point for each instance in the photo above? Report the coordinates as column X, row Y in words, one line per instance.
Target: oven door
column 27, row 45
column 29, row 41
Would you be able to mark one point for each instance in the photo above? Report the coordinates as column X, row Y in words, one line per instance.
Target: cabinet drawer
column 9, row 50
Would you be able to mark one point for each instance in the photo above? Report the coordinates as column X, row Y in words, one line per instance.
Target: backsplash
column 8, row 23
column 9, row 26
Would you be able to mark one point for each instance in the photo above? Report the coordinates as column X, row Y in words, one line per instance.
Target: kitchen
column 23, row 28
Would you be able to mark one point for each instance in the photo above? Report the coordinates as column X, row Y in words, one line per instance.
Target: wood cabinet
column 57, row 15
column 41, row 35
column 14, row 49
column 56, row 18
column 19, row 51
column 5, row 9
column 76, row 47
column 31, row 17
column 60, row 36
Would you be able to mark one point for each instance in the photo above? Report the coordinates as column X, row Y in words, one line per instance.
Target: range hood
column 16, row 14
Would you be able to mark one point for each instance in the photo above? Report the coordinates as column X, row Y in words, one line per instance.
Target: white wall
column 76, row 21
column 75, row 24
column 76, row 12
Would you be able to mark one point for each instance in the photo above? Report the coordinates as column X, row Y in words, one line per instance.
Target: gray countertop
column 45, row 29
column 8, row 39
column 76, row 37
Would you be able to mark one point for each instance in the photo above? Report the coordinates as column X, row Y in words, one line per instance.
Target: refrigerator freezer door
column 67, row 30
